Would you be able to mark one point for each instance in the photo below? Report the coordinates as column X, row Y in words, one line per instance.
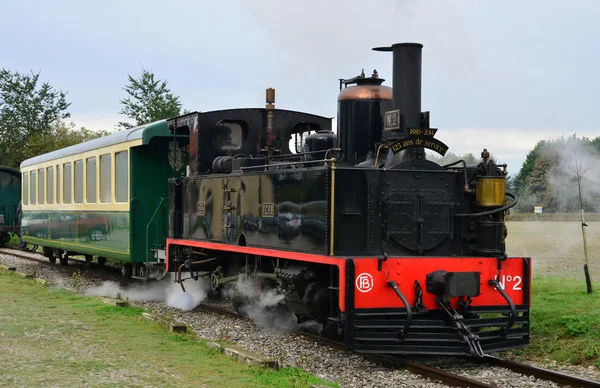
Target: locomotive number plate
column 201, row 208
column 392, row 120
column 268, row 210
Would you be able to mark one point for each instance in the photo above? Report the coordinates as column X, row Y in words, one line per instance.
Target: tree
column 528, row 165
column 579, row 171
column 26, row 109
column 59, row 136
column 149, row 100
column 545, row 180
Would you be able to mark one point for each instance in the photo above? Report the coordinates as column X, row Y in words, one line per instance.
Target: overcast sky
column 496, row 74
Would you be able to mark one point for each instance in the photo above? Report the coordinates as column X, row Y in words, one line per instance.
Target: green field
column 50, row 337
column 556, row 248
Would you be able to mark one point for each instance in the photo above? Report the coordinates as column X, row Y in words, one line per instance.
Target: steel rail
column 436, row 374
column 541, row 373
column 79, row 264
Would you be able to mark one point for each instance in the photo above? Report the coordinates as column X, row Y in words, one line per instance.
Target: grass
column 565, row 321
column 50, row 337
column 14, row 241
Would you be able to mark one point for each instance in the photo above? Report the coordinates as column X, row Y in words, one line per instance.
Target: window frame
column 64, row 178
column 25, row 188
column 50, row 182
column 88, row 181
column 127, row 182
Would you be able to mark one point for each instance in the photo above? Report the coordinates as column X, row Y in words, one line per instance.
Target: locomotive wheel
column 127, row 270
column 52, row 259
column 101, row 260
column 63, row 260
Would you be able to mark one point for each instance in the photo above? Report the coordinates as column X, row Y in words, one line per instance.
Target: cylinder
column 361, row 109
column 490, row 191
column 406, row 86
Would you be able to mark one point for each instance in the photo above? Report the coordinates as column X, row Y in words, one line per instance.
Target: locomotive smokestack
column 406, row 87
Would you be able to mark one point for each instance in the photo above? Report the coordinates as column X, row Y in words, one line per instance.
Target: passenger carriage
column 106, row 197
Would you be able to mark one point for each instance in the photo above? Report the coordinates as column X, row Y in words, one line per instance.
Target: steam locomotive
column 358, row 230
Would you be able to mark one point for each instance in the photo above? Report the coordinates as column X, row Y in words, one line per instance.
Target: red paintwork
column 406, row 270
column 339, row 261
column 402, row 270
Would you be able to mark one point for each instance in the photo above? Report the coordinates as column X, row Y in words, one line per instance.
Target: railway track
column 438, row 374
column 104, row 272
column 427, row 371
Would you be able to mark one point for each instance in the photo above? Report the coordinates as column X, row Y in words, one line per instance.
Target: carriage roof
column 144, row 132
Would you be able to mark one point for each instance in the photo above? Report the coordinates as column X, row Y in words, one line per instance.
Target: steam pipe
column 511, row 304
column 394, row 285
column 467, row 188
column 487, row 213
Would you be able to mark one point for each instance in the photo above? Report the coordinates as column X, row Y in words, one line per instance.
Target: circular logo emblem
column 364, row 282
column 271, row 136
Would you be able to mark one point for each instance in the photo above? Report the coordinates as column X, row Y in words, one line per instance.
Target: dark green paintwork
column 94, row 233
column 130, row 235
column 10, row 195
column 151, row 167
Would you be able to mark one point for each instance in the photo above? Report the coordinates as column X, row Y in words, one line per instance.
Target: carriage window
column 67, row 183
column 33, row 191
column 90, row 180
column 41, row 186
column 78, row 182
column 105, row 178
column 121, row 173
column 58, row 184
column 228, row 136
column 50, row 189
column 25, row 188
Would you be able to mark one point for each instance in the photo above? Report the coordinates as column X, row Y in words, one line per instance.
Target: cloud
column 98, row 121
column 528, row 67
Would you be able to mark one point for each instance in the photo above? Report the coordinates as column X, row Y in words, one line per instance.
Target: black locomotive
column 356, row 230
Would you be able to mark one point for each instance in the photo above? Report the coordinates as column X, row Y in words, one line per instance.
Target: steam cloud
column 266, row 307
column 563, row 183
column 165, row 290
column 561, row 193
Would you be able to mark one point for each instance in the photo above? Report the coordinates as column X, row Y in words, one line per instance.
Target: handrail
column 289, row 164
column 147, row 231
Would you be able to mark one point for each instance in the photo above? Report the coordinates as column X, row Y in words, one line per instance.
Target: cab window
column 299, row 135
column 228, row 135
